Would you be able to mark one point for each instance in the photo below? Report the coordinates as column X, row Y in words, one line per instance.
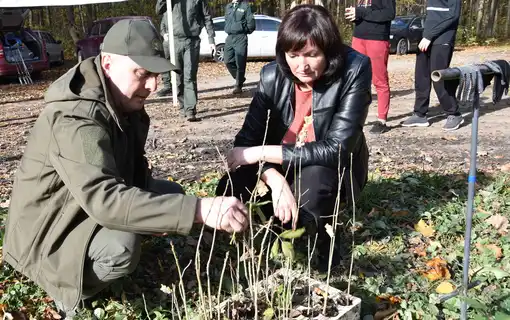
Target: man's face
column 129, row 83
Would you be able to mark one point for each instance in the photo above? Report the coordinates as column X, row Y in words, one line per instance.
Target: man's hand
column 213, row 48
column 241, row 156
column 350, row 13
column 222, row 213
column 284, row 203
column 424, row 45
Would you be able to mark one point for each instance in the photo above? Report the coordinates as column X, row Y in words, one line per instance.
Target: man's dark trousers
column 235, row 56
column 437, row 57
column 187, row 55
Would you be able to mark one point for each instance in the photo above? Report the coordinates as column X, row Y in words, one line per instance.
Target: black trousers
column 435, row 58
column 315, row 189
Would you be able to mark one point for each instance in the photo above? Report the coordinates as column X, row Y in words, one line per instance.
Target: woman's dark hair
column 314, row 23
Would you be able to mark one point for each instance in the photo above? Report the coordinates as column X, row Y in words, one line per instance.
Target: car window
column 105, row 26
column 94, row 31
column 50, row 38
column 267, row 25
column 417, row 23
column 400, row 22
column 219, row 26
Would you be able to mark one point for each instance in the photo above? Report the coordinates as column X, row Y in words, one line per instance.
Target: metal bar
column 454, row 73
column 471, row 195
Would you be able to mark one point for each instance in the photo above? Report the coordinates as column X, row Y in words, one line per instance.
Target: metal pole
column 171, row 44
column 471, row 195
column 454, row 73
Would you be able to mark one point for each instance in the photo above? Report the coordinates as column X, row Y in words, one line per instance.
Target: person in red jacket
column 372, row 19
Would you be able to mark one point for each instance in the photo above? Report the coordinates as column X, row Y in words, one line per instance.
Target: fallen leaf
column 5, row 204
column 329, row 230
column 445, row 287
column 500, row 223
column 400, row 213
column 505, row 167
column 420, row 251
column 202, row 194
column 425, row 229
column 437, row 268
column 450, row 138
column 389, row 298
column 492, row 247
column 261, row 188
column 319, row 291
column 373, row 213
column 170, row 179
column 52, row 314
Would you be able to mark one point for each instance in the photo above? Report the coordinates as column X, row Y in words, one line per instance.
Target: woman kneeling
column 305, row 123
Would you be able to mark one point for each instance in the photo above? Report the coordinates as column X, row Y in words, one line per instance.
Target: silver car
column 54, row 48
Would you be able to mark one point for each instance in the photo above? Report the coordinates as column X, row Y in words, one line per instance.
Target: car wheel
column 219, row 53
column 402, row 46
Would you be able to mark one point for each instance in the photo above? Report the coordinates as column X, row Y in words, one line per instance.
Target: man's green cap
column 139, row 40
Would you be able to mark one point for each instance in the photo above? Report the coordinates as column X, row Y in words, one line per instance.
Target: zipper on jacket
column 82, row 265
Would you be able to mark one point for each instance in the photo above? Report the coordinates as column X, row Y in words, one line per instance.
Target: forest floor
column 418, row 175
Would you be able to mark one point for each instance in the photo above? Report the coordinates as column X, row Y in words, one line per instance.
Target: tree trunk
column 490, row 23
column 72, row 24
column 47, row 21
column 470, row 14
column 507, row 27
column 479, row 19
column 338, row 17
column 282, row 8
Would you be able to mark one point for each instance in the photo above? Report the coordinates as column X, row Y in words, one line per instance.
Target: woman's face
column 307, row 64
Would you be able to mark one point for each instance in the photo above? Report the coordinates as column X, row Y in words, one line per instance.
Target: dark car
column 19, row 47
column 91, row 44
column 406, row 33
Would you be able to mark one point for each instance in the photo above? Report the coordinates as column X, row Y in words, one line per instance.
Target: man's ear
column 106, row 63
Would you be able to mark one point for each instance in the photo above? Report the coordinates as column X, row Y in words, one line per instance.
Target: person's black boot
column 238, row 89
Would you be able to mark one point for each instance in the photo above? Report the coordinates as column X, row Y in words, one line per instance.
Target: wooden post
column 171, row 45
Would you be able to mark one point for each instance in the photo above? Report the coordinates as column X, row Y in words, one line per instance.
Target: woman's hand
column 241, row 156
column 284, row 203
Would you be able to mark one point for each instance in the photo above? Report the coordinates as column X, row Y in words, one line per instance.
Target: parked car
column 54, row 48
column 261, row 43
column 91, row 44
column 406, row 33
column 16, row 42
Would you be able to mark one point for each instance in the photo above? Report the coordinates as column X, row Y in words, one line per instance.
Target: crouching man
column 83, row 194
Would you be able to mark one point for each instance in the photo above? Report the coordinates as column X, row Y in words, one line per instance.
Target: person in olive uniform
column 239, row 22
column 189, row 16
column 84, row 194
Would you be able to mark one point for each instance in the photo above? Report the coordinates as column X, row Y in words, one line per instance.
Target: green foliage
column 390, row 256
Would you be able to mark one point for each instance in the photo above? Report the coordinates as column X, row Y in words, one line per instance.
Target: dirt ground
column 187, row 150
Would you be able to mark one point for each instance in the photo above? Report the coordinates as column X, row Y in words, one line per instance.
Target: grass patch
column 408, row 246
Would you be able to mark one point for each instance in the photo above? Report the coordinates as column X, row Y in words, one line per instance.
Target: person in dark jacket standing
column 435, row 53
column 318, row 94
column 372, row 19
column 239, row 22
column 189, row 16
